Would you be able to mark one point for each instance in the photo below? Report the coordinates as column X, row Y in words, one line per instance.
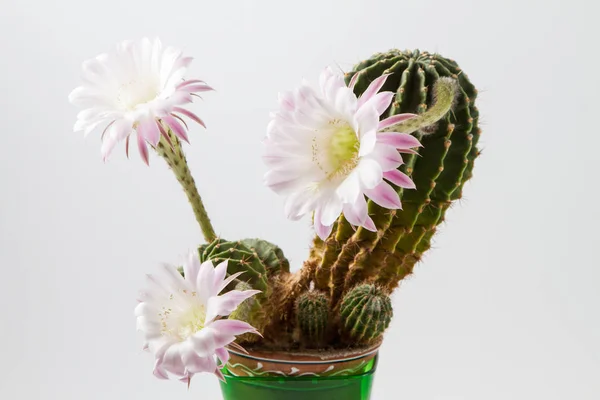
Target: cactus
column 312, row 316
column 354, row 265
column 444, row 163
column 255, row 257
column 240, row 258
column 366, row 312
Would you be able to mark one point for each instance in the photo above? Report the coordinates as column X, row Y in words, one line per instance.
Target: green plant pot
column 300, row 376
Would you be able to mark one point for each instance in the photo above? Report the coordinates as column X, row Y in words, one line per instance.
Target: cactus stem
column 170, row 150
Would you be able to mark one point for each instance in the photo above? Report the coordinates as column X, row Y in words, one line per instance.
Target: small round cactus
column 312, row 316
column 366, row 312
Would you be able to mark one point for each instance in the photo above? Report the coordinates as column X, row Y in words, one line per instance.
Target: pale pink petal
column 220, row 375
column 395, row 119
column 172, row 362
column 148, row 129
column 192, row 266
column 223, row 355
column 323, row 231
column 349, row 189
column 176, row 127
column 353, row 80
column 367, row 143
column 370, row 225
column 231, row 327
column 331, row 211
column 385, row 196
column 197, row 88
column 370, row 173
column 399, row 179
column 357, row 213
column 366, row 121
column 108, row 144
column 408, row 151
column 159, row 371
column 205, row 343
column 219, row 334
column 193, row 362
column 226, row 303
column 220, row 273
column 187, row 128
column 189, row 82
column 372, row 90
column 164, row 133
column 386, row 156
column 227, row 281
column 190, row 115
column 381, row 101
column 398, row 140
column 143, row 148
column 114, row 132
column 205, row 282
column 286, row 99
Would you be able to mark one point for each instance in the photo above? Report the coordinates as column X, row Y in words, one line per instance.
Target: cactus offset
column 365, row 312
column 312, row 318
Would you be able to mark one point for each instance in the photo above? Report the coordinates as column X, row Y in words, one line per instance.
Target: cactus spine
column 366, row 312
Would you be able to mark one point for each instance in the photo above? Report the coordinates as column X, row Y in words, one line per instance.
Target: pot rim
column 308, row 357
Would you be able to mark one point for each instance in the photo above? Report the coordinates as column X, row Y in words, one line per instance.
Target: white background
column 505, row 307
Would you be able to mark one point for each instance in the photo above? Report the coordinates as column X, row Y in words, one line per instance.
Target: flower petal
column 381, row 101
column 357, row 213
column 323, row 231
column 143, row 148
column 398, row 140
column 386, row 156
column 385, row 196
column 395, row 119
column 373, row 88
column 332, row 210
column 226, row 303
column 349, row 189
column 223, row 355
column 400, row 179
column 205, row 282
column 176, row 127
column 370, row 173
column 148, row 129
column 190, row 115
column 192, row 266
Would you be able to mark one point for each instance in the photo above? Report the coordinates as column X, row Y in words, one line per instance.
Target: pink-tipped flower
column 326, row 150
column 180, row 319
column 138, row 87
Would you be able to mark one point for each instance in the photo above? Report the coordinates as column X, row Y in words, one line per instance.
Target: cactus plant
column 365, row 312
column 312, row 317
column 442, row 96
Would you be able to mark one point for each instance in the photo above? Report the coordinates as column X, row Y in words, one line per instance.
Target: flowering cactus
column 376, row 157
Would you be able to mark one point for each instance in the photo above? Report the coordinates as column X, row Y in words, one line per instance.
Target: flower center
column 341, row 150
column 183, row 316
column 192, row 321
column 136, row 92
